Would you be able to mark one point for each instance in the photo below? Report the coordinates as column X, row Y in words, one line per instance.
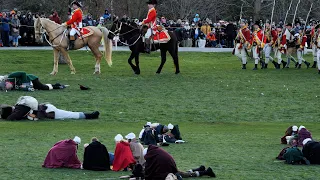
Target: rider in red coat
column 151, row 22
column 75, row 22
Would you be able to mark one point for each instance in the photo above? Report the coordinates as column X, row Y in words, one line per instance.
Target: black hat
column 257, row 23
column 152, row 2
column 83, row 87
column 5, row 111
column 289, row 24
column 76, row 3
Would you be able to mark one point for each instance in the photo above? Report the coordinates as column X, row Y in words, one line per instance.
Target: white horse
column 59, row 41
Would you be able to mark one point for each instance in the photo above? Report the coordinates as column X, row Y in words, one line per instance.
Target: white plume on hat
column 77, row 139
column 118, row 138
column 131, row 136
column 306, row 141
column 145, row 151
column 170, row 126
column 301, row 127
column 294, row 128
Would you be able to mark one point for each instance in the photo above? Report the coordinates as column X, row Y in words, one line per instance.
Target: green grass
column 227, row 122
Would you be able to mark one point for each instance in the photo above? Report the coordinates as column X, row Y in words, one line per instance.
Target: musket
column 304, row 29
column 295, row 13
column 285, row 19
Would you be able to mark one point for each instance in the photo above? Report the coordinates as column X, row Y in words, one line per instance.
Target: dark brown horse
column 133, row 36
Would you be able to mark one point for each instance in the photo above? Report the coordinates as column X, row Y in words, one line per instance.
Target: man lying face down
column 96, row 156
column 311, row 150
column 27, row 107
column 63, row 155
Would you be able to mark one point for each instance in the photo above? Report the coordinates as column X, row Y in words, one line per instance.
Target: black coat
column 96, row 157
column 311, row 151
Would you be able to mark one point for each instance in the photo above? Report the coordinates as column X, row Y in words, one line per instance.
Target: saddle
column 82, row 33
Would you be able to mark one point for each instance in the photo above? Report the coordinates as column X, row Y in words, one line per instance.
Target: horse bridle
column 117, row 32
column 43, row 32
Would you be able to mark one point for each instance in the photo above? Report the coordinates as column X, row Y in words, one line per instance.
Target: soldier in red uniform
column 258, row 42
column 269, row 33
column 151, row 23
column 243, row 43
column 289, row 41
column 314, row 46
column 75, row 22
column 276, row 44
column 300, row 45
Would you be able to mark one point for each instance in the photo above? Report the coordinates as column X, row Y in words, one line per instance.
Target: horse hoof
column 53, row 73
column 97, row 72
column 73, row 73
column 178, row 72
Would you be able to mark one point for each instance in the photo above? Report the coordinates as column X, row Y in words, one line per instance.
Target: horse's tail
column 107, row 45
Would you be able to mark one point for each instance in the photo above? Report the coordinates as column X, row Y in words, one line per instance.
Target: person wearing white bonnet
column 136, row 149
column 77, row 140
column 118, row 138
column 311, row 151
column 290, row 133
column 301, row 127
column 303, row 134
column 306, row 141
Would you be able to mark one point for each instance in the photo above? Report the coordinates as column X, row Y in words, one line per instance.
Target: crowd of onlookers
column 17, row 28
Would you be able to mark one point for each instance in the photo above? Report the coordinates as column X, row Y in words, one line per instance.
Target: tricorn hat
column 152, row 2
column 76, row 3
column 289, row 24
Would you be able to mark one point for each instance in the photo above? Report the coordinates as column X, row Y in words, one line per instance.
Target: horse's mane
column 46, row 19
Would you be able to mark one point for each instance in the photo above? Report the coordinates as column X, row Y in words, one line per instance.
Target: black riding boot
column 266, row 66
column 71, row 44
column 255, row 67
column 94, row 115
column 284, row 64
column 201, row 168
column 314, row 64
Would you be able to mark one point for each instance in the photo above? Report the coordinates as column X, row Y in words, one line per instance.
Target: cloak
column 96, row 157
column 122, row 156
column 63, row 154
column 311, row 151
column 302, row 135
column 137, row 152
column 158, row 164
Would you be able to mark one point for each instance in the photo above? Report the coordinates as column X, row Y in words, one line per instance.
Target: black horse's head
column 124, row 28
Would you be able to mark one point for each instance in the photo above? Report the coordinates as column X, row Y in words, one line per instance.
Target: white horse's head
column 38, row 30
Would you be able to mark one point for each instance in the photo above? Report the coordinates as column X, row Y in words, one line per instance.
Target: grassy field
column 232, row 119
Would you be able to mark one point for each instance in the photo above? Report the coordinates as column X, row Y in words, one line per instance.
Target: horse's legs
column 137, row 63
column 55, row 61
column 175, row 58
column 134, row 68
column 67, row 57
column 163, row 60
column 97, row 54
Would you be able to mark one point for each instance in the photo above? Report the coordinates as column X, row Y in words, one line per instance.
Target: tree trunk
column 257, row 10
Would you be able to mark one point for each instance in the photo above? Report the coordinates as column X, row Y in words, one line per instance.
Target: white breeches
column 318, row 58
column 73, row 32
column 314, row 52
column 267, row 51
column 300, row 56
column 277, row 54
column 241, row 53
column 149, row 33
column 255, row 54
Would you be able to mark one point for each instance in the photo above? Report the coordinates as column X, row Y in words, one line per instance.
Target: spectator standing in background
column 231, row 34
column 55, row 17
column 206, row 29
column 1, row 45
column 5, row 30
column 15, row 25
column 211, row 37
column 106, row 15
column 196, row 18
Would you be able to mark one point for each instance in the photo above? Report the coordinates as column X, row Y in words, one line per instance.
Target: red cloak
column 122, row 156
column 63, row 154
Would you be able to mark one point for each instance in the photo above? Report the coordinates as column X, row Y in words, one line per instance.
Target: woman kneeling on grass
column 27, row 107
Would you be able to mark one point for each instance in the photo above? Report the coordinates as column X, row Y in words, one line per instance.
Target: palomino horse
column 58, row 40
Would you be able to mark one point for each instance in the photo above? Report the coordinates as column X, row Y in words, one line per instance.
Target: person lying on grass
column 27, row 82
column 289, row 134
column 123, row 158
column 27, row 107
column 295, row 136
column 63, row 155
column 311, row 151
column 96, row 156
column 161, row 165
column 160, row 134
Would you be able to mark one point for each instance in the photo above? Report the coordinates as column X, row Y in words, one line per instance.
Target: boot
column 275, row 64
column 147, row 46
column 255, row 67
column 262, row 64
column 278, row 66
column 208, row 172
column 266, row 66
column 94, row 115
column 314, row 64
column 299, row 66
column 319, row 72
column 201, row 168
column 244, row 66
column 58, row 86
column 296, row 65
column 307, row 64
column 284, row 64
column 71, row 42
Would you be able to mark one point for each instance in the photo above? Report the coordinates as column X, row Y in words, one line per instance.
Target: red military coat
column 244, row 35
column 258, row 37
column 151, row 20
column 274, row 37
column 76, row 19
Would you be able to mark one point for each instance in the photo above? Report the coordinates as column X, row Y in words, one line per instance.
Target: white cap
column 145, row 151
column 170, row 126
column 294, row 128
column 301, row 127
column 306, row 141
column 131, row 136
column 77, row 139
column 148, row 124
column 118, row 138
